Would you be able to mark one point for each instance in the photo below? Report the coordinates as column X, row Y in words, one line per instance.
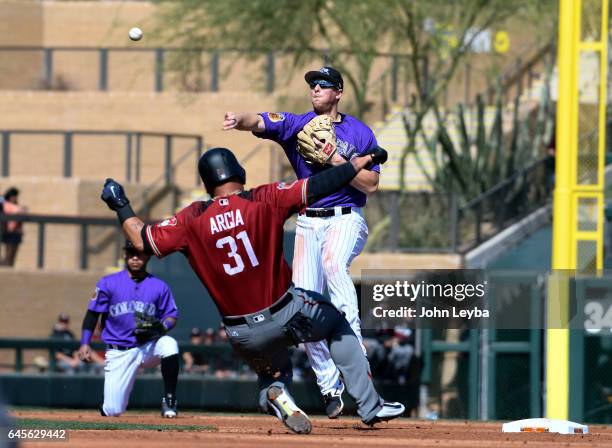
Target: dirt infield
column 238, row 431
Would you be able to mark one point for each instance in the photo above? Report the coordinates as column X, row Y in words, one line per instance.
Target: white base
column 545, row 425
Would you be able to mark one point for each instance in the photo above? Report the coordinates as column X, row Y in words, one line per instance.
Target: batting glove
column 379, row 155
column 114, row 195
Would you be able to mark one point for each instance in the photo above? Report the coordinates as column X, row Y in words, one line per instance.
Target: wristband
column 125, row 212
column 86, row 337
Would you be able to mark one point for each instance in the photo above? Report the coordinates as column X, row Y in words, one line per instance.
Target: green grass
column 34, row 423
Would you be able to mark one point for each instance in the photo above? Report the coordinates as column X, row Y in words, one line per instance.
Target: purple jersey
column 353, row 138
column 119, row 297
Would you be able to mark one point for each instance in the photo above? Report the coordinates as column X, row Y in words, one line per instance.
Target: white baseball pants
column 122, row 366
column 324, row 250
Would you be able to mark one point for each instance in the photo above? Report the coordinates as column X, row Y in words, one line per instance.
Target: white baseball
column 135, row 33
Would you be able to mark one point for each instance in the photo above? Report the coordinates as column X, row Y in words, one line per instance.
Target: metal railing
column 83, row 222
column 54, row 345
column 160, row 63
column 134, row 149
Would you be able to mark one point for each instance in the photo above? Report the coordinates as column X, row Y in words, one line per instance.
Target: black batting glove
column 379, row 155
column 114, row 195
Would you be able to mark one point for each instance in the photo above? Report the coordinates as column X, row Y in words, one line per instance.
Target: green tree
column 351, row 33
column 438, row 35
column 347, row 32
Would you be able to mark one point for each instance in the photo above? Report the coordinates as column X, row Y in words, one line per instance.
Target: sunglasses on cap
column 323, row 83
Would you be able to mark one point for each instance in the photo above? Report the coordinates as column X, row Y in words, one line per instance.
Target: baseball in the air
column 135, row 33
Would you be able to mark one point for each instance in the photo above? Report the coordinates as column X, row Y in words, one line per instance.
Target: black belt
column 118, row 347
column 233, row 321
column 326, row 212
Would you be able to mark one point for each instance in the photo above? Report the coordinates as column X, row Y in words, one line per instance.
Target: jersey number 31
column 233, row 252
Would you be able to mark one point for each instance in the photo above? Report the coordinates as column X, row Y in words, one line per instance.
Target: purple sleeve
column 101, row 299
column 167, row 307
column 280, row 126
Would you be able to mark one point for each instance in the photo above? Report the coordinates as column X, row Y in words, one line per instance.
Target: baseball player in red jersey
column 234, row 243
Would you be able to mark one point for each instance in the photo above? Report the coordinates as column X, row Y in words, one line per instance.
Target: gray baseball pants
column 262, row 339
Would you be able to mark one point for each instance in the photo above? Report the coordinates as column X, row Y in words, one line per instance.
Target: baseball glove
column 147, row 327
column 322, row 128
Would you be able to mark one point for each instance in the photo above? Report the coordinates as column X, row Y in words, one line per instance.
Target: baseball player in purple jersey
column 331, row 232
column 120, row 299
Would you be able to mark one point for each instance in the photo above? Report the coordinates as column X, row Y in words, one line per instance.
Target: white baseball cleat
column 288, row 412
column 388, row 411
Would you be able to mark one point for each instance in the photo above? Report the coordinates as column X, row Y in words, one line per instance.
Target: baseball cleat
column 168, row 409
column 389, row 411
column 333, row 401
column 288, row 412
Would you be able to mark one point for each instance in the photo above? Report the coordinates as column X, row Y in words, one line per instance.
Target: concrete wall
column 30, row 302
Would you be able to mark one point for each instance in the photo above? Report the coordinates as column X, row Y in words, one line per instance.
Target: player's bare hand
column 85, row 352
column 230, row 121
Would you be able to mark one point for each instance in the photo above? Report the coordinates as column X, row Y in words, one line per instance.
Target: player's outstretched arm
column 114, row 196
column 327, row 182
column 243, row 122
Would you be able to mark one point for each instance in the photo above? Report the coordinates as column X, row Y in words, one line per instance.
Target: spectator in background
column 209, row 337
column 196, row 362
column 401, row 351
column 12, row 231
column 67, row 360
column 226, row 365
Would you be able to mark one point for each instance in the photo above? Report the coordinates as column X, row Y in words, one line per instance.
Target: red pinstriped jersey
column 235, row 244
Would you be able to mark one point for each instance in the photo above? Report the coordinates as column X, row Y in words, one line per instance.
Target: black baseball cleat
column 389, row 411
column 168, row 408
column 333, row 402
column 288, row 412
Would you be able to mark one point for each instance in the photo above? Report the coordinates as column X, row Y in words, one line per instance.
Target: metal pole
column 68, row 154
column 6, row 151
column 198, row 153
column 138, row 147
column 394, row 76
column 168, row 159
column 473, row 375
column 18, row 359
column 84, row 246
column 48, row 67
column 159, row 69
column 103, row 75
column 214, row 71
column 128, row 157
column 270, row 73
column 485, row 375
column 41, row 245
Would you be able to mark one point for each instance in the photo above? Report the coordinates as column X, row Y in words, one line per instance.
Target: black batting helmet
column 218, row 166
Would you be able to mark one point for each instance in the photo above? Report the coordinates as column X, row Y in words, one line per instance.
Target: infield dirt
column 252, row 431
